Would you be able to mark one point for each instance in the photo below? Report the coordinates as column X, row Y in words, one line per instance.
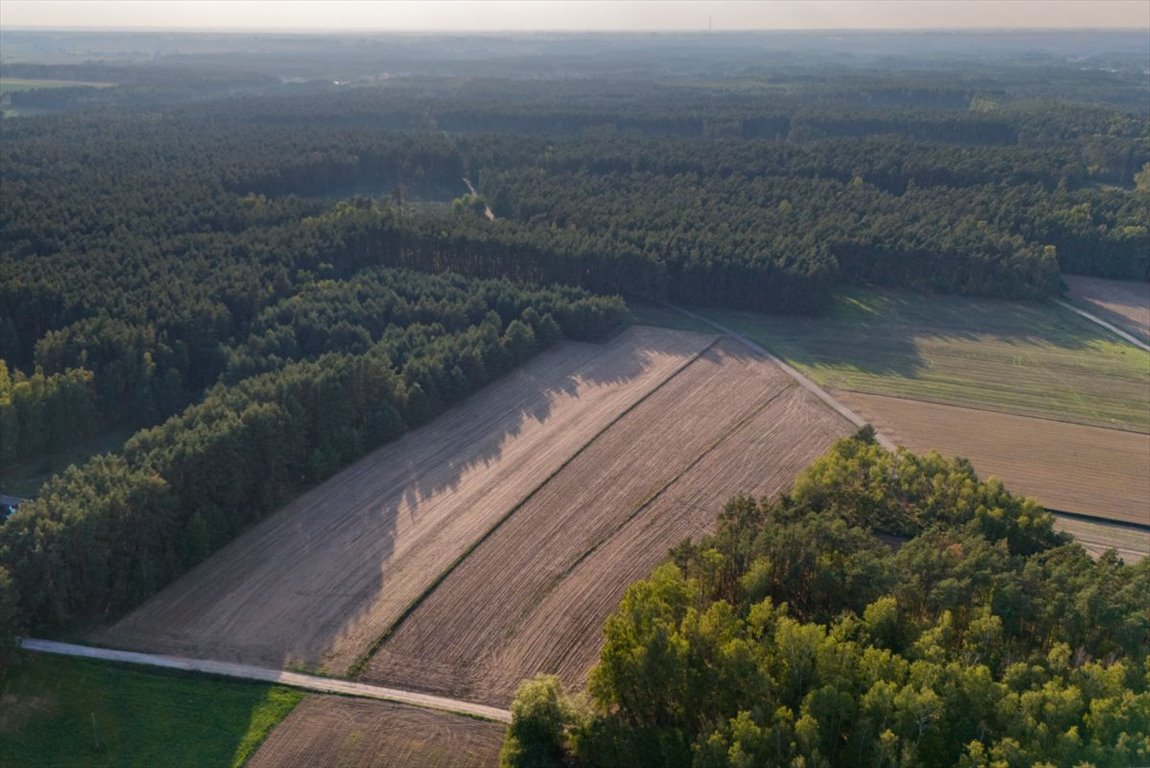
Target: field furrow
column 316, row 583
column 563, row 633
column 534, row 595
column 330, row 730
column 467, row 616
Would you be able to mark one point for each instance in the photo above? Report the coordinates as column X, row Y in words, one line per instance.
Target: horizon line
column 642, row 31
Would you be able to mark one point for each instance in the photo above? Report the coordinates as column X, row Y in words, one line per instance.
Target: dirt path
column 1108, row 326
column 277, row 676
column 490, row 214
column 803, row 381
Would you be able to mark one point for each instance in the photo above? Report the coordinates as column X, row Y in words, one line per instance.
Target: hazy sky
column 513, row 15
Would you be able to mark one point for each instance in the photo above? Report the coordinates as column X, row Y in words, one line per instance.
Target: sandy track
column 533, row 597
column 1070, row 467
column 316, row 583
column 331, row 731
column 1126, row 303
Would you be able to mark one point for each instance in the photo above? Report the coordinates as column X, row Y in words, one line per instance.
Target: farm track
column 1125, row 303
column 276, row 676
column 533, row 596
column 317, row 582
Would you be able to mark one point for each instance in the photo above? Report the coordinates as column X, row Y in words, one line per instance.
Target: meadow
column 57, row 711
column 1023, row 358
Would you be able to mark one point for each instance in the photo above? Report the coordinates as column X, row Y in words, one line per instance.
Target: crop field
column 1021, row 358
column 1125, row 303
column 533, row 596
column 336, row 731
column 57, row 711
column 317, row 583
column 1092, row 471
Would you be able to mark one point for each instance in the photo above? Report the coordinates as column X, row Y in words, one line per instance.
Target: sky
column 573, row 15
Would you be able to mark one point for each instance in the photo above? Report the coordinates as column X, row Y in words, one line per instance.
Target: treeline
column 345, row 368
column 184, row 227
column 42, row 412
column 794, row 636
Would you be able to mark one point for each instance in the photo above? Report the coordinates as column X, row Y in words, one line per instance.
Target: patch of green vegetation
column 665, row 317
column 1025, row 358
column 24, row 478
column 57, row 711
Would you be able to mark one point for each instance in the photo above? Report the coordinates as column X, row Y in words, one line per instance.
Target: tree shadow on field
column 883, row 332
column 318, row 582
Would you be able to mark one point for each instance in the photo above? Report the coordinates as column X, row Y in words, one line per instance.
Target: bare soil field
column 317, row 583
column 1069, row 467
column 534, row 595
column 1125, row 303
column 334, row 731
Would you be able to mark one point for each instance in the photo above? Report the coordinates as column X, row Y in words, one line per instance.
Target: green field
column 146, row 719
column 1031, row 359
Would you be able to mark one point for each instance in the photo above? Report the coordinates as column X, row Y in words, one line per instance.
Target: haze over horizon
column 570, row 15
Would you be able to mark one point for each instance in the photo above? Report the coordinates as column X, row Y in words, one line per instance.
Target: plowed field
column 332, row 731
column 1100, row 472
column 533, row 596
column 316, row 583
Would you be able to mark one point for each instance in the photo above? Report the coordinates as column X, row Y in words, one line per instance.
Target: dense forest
column 971, row 634
column 267, row 262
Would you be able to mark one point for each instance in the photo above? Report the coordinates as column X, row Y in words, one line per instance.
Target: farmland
column 1022, row 358
column 1125, row 303
column 328, row 730
column 1099, row 472
column 48, row 705
column 316, row 583
column 659, row 475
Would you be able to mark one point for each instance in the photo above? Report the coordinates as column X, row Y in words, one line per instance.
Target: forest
column 890, row 610
column 265, row 270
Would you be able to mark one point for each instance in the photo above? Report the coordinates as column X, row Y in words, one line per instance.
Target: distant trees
column 794, row 636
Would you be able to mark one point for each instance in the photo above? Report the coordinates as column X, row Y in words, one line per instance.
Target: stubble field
column 335, row 731
column 315, row 584
column 534, row 595
column 1090, row 471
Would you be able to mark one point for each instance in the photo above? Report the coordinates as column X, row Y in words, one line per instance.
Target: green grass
column 146, row 719
column 1031, row 359
column 665, row 317
column 24, row 477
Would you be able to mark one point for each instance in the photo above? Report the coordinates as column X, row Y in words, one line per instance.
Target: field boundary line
column 362, row 661
column 803, row 381
column 277, row 676
column 1108, row 326
column 1095, row 519
column 639, row 508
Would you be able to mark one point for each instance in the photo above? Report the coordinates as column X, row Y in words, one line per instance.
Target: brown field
column 333, row 731
column 534, row 595
column 1069, row 467
column 1125, row 303
column 318, row 582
